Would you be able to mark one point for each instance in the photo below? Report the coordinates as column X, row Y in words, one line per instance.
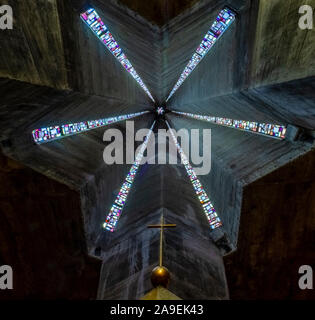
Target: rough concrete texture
column 33, row 50
column 133, row 249
column 99, row 192
column 282, row 51
column 53, row 71
column 235, row 165
column 286, row 103
column 159, row 12
column 73, row 160
column 264, row 46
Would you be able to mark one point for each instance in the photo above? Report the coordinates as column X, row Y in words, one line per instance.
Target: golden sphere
column 160, row 276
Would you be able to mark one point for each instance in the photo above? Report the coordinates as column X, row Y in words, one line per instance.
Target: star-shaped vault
column 60, row 73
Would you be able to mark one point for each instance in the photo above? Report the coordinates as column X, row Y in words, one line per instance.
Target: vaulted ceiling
column 53, row 71
column 159, row 12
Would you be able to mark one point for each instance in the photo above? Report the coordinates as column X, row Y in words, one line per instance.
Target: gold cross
column 162, row 226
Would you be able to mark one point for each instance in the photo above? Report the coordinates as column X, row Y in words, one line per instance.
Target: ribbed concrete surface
column 262, row 69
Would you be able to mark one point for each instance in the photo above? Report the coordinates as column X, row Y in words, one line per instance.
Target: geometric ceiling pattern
column 93, row 20
column 250, row 74
column 95, row 23
column 222, row 22
column 112, row 22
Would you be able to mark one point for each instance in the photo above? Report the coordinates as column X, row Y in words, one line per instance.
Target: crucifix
column 160, row 275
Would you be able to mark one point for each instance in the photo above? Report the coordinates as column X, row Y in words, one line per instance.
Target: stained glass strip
column 214, row 220
column 224, row 19
column 95, row 23
column 267, row 129
column 116, row 210
column 47, row 134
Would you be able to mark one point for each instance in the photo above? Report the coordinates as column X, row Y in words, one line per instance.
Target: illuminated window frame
column 266, row 129
column 160, row 111
column 120, row 201
column 51, row 133
column 223, row 21
column 207, row 206
column 95, row 23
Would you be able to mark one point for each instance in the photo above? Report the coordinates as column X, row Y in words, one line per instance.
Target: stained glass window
column 213, row 219
column 219, row 26
column 160, row 111
column 271, row 130
column 47, row 134
column 95, row 23
column 116, row 210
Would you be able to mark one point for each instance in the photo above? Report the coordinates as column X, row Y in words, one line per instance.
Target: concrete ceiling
column 234, row 165
column 53, row 71
column 134, row 247
column 73, row 160
column 159, row 12
column 159, row 54
column 33, row 50
column 244, row 59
